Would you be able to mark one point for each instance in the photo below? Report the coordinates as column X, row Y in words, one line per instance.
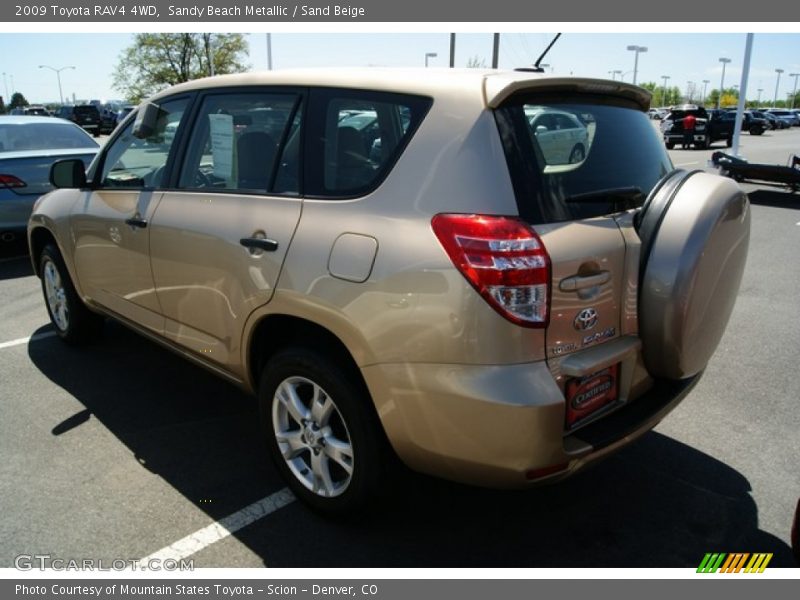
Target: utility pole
column 269, row 52
column 496, row 50
column 452, row 50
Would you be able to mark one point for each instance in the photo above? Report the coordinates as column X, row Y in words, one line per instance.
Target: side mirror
column 147, row 120
column 69, row 173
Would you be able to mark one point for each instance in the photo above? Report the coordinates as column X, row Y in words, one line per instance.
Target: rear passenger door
column 220, row 235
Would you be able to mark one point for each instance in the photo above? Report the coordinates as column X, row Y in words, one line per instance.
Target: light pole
column 777, row 84
column 58, row 76
column 724, row 62
column 794, row 92
column 614, row 73
column 636, row 50
column 5, row 83
column 705, row 84
column 664, row 89
column 758, row 102
column 429, row 55
column 689, row 91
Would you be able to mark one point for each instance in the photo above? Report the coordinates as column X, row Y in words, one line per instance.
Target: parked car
column 28, row 147
column 459, row 301
column 562, row 137
column 704, row 133
column 785, row 115
column 772, row 121
column 112, row 114
column 36, row 111
column 711, row 125
column 85, row 115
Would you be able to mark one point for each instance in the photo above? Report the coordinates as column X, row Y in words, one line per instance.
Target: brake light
column 11, row 181
column 504, row 260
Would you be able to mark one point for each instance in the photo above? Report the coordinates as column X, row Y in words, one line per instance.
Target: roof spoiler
column 498, row 88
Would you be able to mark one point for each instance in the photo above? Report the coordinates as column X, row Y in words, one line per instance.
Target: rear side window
column 579, row 159
column 245, row 142
column 356, row 137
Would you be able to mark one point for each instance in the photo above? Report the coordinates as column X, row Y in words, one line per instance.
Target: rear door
column 219, row 237
column 581, row 210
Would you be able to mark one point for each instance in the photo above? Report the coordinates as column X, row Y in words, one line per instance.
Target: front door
column 110, row 225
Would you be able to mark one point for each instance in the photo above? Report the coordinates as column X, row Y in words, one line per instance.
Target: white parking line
column 32, row 338
column 687, row 164
column 223, row 528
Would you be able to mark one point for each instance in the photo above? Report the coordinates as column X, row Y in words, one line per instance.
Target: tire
column 729, row 142
column 695, row 230
column 756, row 131
column 670, row 145
column 578, row 154
column 73, row 322
column 332, row 453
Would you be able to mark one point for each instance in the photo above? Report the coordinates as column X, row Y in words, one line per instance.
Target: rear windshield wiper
column 608, row 195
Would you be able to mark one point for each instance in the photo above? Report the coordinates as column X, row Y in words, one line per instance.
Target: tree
column 18, row 101
column 158, row 60
column 476, row 62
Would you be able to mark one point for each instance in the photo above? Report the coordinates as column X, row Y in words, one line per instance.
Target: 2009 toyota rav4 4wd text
column 395, row 262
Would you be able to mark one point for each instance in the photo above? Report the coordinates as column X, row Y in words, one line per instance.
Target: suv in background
column 788, row 116
column 434, row 280
column 704, row 132
column 85, row 115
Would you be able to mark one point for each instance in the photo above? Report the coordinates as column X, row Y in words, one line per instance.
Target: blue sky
column 683, row 57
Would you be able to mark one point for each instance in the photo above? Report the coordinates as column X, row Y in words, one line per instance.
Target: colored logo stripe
column 734, row 563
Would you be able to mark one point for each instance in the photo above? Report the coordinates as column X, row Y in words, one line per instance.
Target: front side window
column 245, row 142
column 357, row 137
column 132, row 162
column 579, row 159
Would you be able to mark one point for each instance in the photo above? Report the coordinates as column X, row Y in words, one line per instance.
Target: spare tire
column 695, row 231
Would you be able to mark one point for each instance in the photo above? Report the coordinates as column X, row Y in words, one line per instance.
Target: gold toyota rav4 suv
column 497, row 276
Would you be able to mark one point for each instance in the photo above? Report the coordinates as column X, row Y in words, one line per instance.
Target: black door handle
column 259, row 244
column 134, row 222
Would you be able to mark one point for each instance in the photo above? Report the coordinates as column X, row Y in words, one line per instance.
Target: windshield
column 579, row 160
column 43, row 136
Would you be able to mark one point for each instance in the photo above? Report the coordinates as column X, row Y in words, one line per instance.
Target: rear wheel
column 321, row 430
column 74, row 323
column 670, row 145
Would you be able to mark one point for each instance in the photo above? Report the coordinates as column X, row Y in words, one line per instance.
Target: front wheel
column 74, row 322
column 321, row 430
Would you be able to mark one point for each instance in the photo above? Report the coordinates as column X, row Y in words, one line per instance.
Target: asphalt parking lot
column 122, row 450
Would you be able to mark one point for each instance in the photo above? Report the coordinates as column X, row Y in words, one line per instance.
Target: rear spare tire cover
column 693, row 251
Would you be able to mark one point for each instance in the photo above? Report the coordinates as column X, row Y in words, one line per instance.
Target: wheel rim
column 56, row 296
column 312, row 437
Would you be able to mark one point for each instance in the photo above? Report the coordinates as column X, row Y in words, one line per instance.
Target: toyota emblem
column 586, row 319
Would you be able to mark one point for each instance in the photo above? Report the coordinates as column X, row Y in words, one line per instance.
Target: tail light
column 11, row 181
column 504, row 260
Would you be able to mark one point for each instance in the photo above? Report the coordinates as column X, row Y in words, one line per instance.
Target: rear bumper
column 501, row 426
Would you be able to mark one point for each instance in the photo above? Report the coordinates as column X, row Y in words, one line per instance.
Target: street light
column 614, row 74
column 724, row 62
column 664, row 90
column 758, row 102
column 689, row 91
column 5, row 83
column 705, row 84
column 794, row 93
column 636, row 50
column 777, row 84
column 58, row 76
column 429, row 55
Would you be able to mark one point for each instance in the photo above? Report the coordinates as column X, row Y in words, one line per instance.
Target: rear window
column 43, row 136
column 579, row 159
column 87, row 111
